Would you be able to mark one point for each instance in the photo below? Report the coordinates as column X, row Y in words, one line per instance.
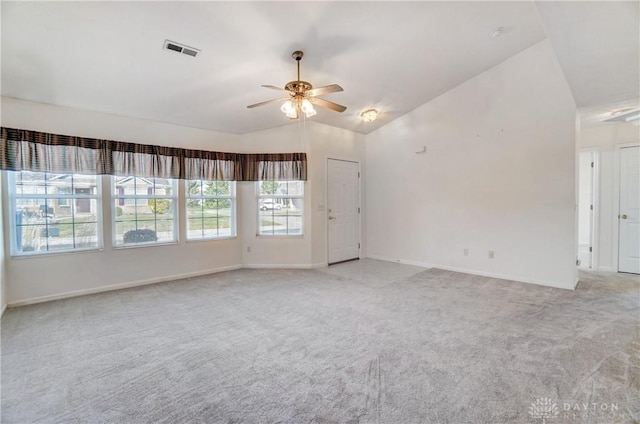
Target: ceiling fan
column 301, row 96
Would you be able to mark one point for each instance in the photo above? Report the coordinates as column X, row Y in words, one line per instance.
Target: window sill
column 200, row 240
column 277, row 236
column 42, row 254
column 142, row 245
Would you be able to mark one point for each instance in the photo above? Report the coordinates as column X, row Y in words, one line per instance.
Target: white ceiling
column 598, row 47
column 393, row 56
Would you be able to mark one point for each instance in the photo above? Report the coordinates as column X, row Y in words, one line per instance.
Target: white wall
column 3, row 280
column 499, row 174
column 51, row 276
column 320, row 142
column 604, row 138
column 55, row 275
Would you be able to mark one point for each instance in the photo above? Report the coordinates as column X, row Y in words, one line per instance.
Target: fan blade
column 267, row 102
column 324, row 90
column 328, row 104
column 273, row 87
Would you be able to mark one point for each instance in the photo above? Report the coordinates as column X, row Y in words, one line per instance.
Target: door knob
column 332, row 217
column 624, row 217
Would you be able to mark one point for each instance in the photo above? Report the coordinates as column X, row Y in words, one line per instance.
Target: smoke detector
column 497, row 32
column 181, row 48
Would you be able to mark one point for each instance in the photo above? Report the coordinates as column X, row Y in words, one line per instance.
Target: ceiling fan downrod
column 297, row 55
column 298, row 87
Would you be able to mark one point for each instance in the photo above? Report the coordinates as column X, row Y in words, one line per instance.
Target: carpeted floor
column 360, row 342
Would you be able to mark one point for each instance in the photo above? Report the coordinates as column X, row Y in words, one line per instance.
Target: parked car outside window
column 269, row 205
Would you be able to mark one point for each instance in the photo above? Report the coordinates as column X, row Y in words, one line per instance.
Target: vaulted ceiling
column 392, row 56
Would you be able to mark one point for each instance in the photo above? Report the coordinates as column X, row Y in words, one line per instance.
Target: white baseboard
column 277, row 266
column 121, row 286
column 480, row 273
column 131, row 284
column 401, row 261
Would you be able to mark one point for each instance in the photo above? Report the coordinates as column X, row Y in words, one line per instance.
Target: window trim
column 13, row 196
column 259, row 197
column 115, row 197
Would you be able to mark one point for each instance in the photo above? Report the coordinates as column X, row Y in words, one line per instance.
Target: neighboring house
column 34, row 183
column 131, row 186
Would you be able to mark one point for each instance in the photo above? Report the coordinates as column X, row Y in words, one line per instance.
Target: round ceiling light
column 369, row 115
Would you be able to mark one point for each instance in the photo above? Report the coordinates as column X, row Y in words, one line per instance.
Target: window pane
column 86, row 235
column 268, row 187
column 209, row 216
column 194, row 228
column 295, row 224
column 225, row 222
column 30, row 183
column 29, row 238
column 59, row 236
column 140, row 216
column 54, row 212
column 280, row 205
column 164, row 229
column 123, row 228
column 194, row 208
column 223, row 188
column 193, row 187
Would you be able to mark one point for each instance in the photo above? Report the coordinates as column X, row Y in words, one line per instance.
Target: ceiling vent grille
column 180, row 48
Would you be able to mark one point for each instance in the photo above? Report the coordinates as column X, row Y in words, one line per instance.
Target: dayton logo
column 544, row 408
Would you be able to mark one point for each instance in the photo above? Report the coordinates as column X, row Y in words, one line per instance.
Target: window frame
column 260, row 197
column 13, row 196
column 232, row 210
column 115, row 197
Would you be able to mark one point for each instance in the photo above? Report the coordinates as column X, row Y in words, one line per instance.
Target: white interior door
column 629, row 218
column 343, row 210
column 585, row 208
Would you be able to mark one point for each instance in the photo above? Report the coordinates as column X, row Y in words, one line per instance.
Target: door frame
column 616, row 203
column 326, row 207
column 595, row 187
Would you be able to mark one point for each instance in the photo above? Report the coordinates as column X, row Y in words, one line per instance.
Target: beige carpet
column 361, row 342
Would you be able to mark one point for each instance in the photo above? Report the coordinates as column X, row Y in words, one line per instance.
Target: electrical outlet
column 491, row 254
column 466, row 252
column 248, row 249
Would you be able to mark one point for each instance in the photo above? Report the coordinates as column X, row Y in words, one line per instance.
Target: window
column 280, row 205
column 144, row 210
column 211, row 207
column 54, row 212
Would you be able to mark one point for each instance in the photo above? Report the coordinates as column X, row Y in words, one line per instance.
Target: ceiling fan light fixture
column 369, row 115
column 288, row 109
column 292, row 108
column 307, row 108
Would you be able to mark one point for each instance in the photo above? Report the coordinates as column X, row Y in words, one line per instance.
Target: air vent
column 181, row 48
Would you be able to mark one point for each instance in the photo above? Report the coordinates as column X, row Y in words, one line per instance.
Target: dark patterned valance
column 25, row 150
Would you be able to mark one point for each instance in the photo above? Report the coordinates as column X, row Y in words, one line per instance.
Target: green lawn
column 85, row 225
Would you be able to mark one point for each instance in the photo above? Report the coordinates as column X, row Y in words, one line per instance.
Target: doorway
column 629, row 211
column 586, row 208
column 343, row 210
